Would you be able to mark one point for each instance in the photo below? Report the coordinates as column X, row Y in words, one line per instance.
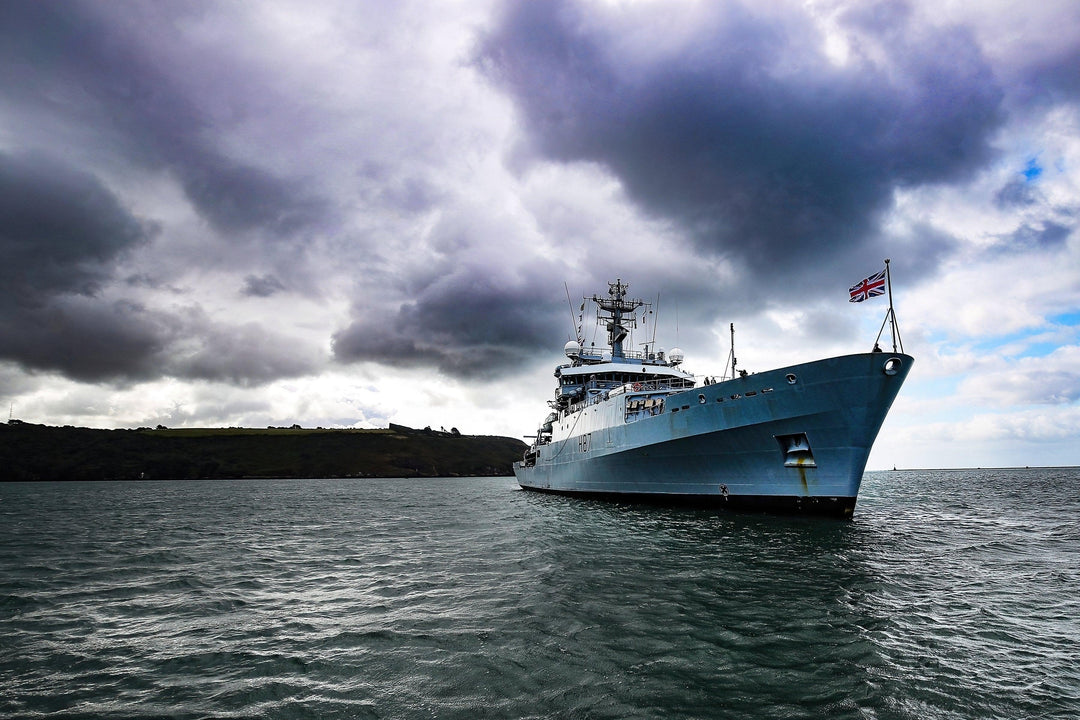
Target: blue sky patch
column 1028, row 338
column 1032, row 170
column 1038, row 349
column 1072, row 319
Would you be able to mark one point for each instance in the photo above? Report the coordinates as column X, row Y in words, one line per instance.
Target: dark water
column 951, row 595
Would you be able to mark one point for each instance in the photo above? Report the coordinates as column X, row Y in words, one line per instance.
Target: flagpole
column 892, row 316
column 892, row 313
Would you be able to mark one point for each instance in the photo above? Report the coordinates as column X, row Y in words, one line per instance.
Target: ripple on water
column 949, row 596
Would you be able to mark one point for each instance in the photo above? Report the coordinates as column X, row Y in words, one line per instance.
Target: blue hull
column 795, row 439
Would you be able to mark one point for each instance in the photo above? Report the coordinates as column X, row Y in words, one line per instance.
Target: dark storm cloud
column 85, row 340
column 97, row 83
column 747, row 136
column 62, row 233
column 145, row 280
column 1047, row 235
column 244, row 355
column 235, row 197
column 1052, row 80
column 261, row 286
column 918, row 252
column 470, row 325
column 1016, row 194
column 103, row 93
column 121, row 342
column 1047, row 226
column 61, row 230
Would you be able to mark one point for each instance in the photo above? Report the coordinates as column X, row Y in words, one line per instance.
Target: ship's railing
column 629, row 354
column 667, row 383
column 599, row 390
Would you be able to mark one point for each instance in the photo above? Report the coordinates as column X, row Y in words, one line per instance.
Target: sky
column 346, row 214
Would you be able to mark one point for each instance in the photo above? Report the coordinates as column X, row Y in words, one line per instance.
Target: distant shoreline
column 30, row 452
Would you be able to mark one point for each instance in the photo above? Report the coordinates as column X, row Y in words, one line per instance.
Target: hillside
column 41, row 452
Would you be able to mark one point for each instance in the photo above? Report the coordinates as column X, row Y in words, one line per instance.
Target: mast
column 733, row 350
column 618, row 314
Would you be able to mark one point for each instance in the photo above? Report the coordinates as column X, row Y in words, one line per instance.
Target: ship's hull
column 795, row 439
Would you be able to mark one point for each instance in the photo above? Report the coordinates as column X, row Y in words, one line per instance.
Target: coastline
column 31, row 452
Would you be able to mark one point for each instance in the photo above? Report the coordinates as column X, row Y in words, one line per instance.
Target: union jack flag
column 868, row 288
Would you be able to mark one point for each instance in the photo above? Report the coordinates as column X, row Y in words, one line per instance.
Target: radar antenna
column 618, row 315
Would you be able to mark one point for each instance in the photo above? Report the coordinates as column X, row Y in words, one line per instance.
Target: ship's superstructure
column 634, row 424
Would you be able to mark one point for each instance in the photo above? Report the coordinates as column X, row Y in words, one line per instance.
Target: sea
column 951, row 594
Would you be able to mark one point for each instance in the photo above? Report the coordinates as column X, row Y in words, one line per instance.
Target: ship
column 635, row 425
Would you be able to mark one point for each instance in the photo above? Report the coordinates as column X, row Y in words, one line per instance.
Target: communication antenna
column 656, row 321
column 570, row 305
column 677, row 322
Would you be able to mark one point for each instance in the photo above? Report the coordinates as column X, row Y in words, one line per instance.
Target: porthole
column 791, row 378
column 701, row 399
column 892, row 366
